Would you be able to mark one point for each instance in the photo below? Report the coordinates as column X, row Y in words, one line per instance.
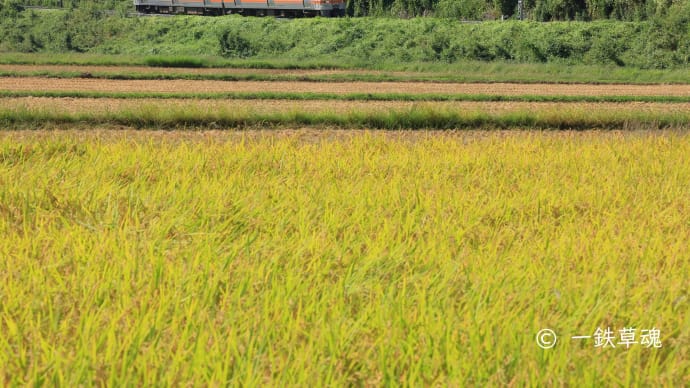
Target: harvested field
column 110, row 105
column 206, row 86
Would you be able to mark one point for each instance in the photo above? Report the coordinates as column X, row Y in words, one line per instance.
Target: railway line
column 104, row 11
column 277, row 8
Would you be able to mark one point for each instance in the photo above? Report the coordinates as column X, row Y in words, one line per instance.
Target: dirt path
column 186, row 86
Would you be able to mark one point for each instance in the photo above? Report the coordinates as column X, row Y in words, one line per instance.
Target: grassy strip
column 411, row 118
column 244, row 77
column 489, row 74
column 346, row 77
column 84, row 59
column 307, row 96
column 465, row 70
column 184, row 62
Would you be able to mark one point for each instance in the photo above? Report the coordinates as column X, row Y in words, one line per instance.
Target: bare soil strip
column 108, row 105
column 204, row 86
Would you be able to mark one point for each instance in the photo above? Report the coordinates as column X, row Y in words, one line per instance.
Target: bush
column 174, row 62
column 465, row 10
column 234, row 45
column 10, row 8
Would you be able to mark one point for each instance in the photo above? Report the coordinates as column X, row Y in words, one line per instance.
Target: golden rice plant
column 342, row 258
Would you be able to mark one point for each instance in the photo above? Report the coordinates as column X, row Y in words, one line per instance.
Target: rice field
column 159, row 113
column 208, row 106
column 208, row 86
column 286, row 242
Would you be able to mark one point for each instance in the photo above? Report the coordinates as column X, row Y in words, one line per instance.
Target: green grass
column 306, row 96
column 207, row 61
column 17, row 58
column 464, row 71
column 383, row 43
column 222, row 259
column 174, row 62
column 163, row 117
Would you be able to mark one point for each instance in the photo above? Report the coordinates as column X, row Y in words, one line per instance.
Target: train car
column 284, row 8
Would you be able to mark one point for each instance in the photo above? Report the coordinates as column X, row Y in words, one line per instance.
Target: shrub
column 173, row 62
column 234, row 45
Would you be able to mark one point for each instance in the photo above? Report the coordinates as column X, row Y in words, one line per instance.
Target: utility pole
column 520, row 9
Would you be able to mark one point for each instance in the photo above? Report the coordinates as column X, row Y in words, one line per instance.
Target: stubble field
column 199, row 86
column 270, row 243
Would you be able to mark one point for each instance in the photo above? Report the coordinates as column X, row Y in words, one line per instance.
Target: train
column 278, row 8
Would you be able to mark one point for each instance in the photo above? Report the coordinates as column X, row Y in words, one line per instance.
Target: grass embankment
column 383, row 43
column 379, row 116
column 154, row 259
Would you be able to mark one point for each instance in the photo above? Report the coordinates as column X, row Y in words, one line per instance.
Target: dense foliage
column 660, row 43
column 538, row 10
